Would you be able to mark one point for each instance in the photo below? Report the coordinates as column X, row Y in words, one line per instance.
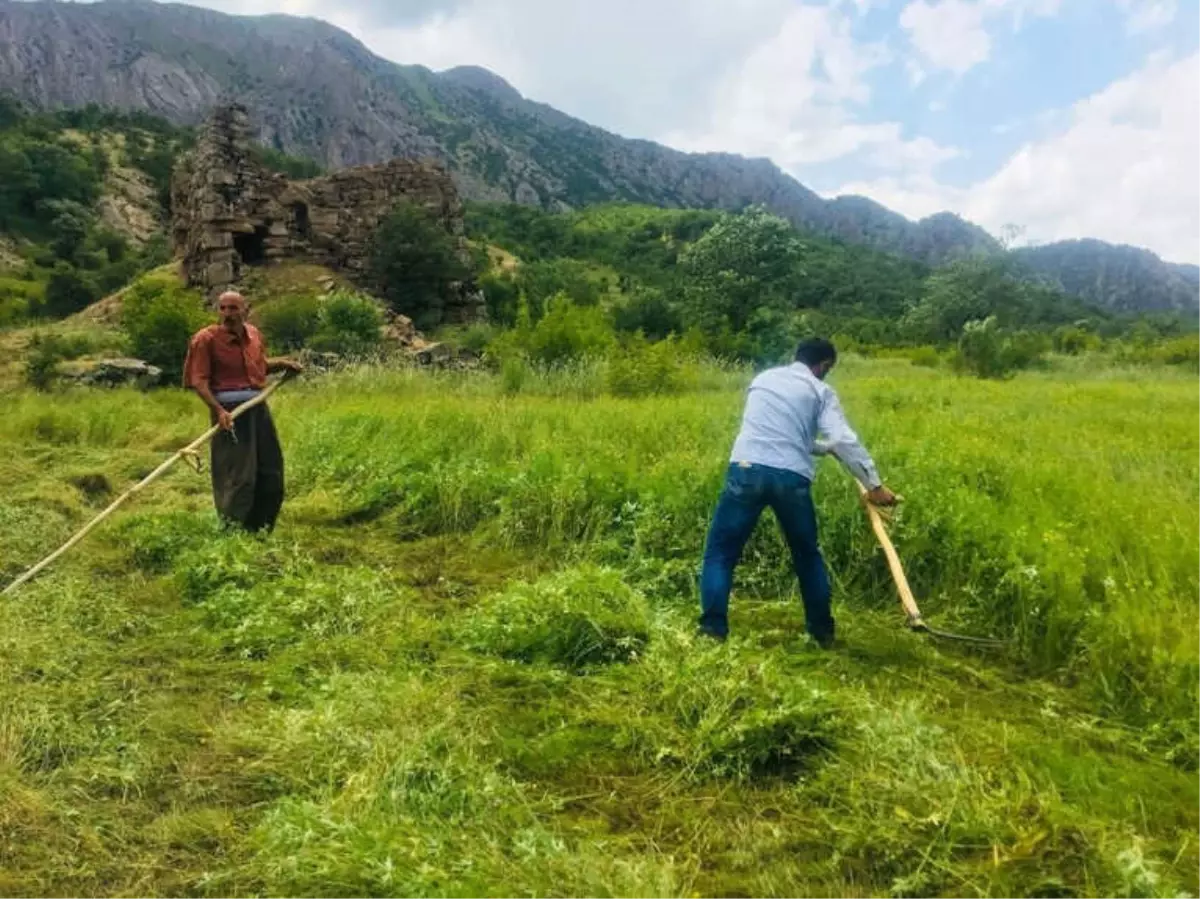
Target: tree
column 966, row 290
column 68, row 291
column 69, row 228
column 989, row 351
column 743, row 264
column 160, row 316
column 414, row 263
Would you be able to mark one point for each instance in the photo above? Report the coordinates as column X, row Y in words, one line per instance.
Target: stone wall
column 230, row 212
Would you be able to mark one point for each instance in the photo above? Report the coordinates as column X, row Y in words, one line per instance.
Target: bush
column 1182, row 351
column 642, row 368
column 567, row 332
column 19, row 299
column 41, row 363
column 988, row 351
column 1071, row 340
column 413, row 263
column 501, row 294
column 577, row 618
column 540, row 281
column 46, row 351
column 648, row 311
column 68, row 291
column 350, row 325
column 159, row 316
column 288, row 323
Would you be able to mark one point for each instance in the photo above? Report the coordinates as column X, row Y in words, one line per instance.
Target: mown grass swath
column 464, row 663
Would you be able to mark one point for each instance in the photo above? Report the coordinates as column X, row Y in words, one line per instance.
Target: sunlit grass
column 464, row 664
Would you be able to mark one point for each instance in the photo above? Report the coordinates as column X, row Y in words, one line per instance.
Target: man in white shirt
column 772, row 465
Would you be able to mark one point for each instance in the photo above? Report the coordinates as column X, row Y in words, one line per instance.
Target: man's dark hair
column 815, row 350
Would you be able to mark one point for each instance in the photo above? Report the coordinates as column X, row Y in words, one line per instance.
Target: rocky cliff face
column 314, row 90
column 1122, row 278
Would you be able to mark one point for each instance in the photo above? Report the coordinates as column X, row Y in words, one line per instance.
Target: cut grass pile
column 465, row 664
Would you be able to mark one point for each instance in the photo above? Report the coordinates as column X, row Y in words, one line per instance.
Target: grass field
column 464, row 662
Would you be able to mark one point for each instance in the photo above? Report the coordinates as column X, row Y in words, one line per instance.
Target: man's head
column 231, row 307
column 818, row 354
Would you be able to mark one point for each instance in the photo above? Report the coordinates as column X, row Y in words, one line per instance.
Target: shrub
column 41, row 362
column 19, row 299
column 642, row 368
column 988, row 351
column 159, row 316
column 68, row 291
column 288, row 323
column 568, row 332
column 579, row 617
column 500, row 293
column 350, row 325
column 413, row 262
column 1182, row 351
column 1071, row 340
column 648, row 311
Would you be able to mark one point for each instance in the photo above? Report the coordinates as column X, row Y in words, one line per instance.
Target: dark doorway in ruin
column 300, row 220
column 252, row 247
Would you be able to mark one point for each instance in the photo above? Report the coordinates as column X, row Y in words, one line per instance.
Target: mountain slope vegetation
column 315, row 91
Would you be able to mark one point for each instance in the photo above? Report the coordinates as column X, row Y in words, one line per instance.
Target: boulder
column 399, row 329
column 113, row 373
column 441, row 355
column 315, row 361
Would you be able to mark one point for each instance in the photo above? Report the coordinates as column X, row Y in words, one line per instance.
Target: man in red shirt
column 227, row 365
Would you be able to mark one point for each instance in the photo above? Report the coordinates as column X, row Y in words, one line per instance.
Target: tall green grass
column 1058, row 513
column 464, row 663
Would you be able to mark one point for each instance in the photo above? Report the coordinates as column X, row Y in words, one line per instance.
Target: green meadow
column 464, row 663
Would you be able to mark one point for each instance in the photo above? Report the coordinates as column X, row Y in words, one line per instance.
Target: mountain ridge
column 315, row 90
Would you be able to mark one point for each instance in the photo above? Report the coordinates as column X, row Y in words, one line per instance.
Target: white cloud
column 795, row 99
column 1148, row 15
column 947, row 35
column 954, row 34
column 1124, row 168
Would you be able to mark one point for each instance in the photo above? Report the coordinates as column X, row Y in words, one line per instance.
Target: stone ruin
column 229, row 211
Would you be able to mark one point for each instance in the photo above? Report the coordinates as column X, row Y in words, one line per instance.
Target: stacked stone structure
column 229, row 211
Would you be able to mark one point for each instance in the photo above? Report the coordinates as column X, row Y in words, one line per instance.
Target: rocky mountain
column 1121, row 278
column 314, row 90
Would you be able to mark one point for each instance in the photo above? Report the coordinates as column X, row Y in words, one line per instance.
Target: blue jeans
column 748, row 490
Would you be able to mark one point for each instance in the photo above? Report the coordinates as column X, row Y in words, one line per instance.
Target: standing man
column 772, row 465
column 227, row 365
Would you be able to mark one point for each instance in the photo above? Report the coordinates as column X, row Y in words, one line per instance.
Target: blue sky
column 1063, row 118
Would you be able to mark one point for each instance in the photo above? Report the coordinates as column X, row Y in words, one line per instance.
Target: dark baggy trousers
column 247, row 473
column 748, row 490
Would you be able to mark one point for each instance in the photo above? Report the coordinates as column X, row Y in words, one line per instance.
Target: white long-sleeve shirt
column 790, row 416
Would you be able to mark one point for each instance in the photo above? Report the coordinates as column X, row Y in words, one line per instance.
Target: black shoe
column 826, row 641
column 712, row 635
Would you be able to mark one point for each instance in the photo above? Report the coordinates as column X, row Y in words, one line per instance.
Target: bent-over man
column 772, row 465
column 227, row 365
